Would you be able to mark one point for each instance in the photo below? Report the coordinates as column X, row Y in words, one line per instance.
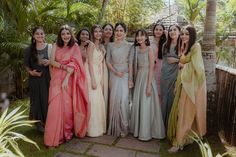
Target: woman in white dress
column 95, row 70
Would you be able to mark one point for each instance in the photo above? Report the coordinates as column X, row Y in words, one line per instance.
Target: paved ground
column 108, row 146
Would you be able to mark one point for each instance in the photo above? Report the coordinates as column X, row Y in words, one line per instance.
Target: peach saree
column 68, row 110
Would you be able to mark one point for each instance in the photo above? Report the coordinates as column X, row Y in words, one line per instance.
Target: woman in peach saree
column 68, row 110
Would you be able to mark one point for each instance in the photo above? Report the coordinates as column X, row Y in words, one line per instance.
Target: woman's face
column 65, row 36
column 84, row 35
column 184, row 36
column 158, row 31
column 39, row 35
column 174, row 32
column 120, row 33
column 108, row 31
column 97, row 33
column 141, row 38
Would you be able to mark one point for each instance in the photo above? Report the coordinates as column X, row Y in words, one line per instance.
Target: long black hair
column 122, row 24
column 79, row 33
column 168, row 42
column 192, row 37
column 162, row 39
column 142, row 32
column 33, row 50
column 109, row 24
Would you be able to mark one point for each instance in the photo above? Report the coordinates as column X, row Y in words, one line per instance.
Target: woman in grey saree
column 169, row 71
column 117, row 62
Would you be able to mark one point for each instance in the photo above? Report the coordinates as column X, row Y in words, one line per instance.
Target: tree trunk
column 209, row 56
column 100, row 16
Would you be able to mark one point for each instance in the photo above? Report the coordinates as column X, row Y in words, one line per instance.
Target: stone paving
column 109, row 146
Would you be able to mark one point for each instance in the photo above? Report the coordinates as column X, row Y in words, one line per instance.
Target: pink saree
column 68, row 110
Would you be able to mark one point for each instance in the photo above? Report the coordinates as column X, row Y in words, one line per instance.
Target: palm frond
column 204, row 147
column 8, row 138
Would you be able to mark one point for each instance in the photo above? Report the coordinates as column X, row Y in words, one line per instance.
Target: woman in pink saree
column 68, row 110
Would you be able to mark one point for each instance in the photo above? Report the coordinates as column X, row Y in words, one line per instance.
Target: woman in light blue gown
column 146, row 116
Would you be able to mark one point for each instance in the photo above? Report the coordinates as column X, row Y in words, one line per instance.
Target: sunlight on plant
column 8, row 137
column 204, row 146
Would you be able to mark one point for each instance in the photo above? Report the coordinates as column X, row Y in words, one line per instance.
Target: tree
column 209, row 55
column 135, row 13
column 226, row 25
column 104, row 5
column 191, row 9
column 18, row 17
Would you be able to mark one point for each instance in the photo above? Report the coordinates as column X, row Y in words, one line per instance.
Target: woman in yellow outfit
column 189, row 108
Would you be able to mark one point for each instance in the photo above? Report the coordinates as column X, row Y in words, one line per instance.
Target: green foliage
column 18, row 17
column 205, row 148
column 226, row 24
column 9, row 122
column 191, row 10
column 135, row 13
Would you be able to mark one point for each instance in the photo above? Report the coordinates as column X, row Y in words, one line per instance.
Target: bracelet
column 64, row 67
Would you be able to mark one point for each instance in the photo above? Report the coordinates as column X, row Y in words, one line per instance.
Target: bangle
column 64, row 67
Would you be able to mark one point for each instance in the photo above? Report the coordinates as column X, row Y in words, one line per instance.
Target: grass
column 30, row 151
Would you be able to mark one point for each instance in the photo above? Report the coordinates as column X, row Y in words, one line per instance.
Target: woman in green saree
column 189, row 108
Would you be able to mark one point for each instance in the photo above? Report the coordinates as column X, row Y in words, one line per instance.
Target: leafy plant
column 191, row 10
column 204, row 146
column 9, row 122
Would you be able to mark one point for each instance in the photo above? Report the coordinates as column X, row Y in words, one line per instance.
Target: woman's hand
column 45, row 62
column 180, row 65
column 69, row 70
column 35, row 73
column 65, row 83
column 131, row 84
column 172, row 60
column 119, row 74
column 94, row 85
column 148, row 91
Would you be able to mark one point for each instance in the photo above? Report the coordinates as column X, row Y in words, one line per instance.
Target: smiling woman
column 169, row 70
column 68, row 100
column 117, row 62
column 96, row 72
column 36, row 61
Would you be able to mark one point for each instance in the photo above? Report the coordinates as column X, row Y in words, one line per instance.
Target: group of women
column 99, row 83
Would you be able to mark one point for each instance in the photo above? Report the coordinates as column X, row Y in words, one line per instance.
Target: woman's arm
column 109, row 65
column 131, row 66
column 150, row 71
column 172, row 60
column 66, row 79
column 90, row 65
column 53, row 62
column 32, row 72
